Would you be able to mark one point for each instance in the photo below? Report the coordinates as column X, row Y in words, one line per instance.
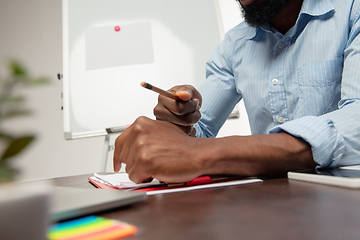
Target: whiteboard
column 111, row 46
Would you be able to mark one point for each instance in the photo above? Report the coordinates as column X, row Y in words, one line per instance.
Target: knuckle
column 192, row 118
column 145, row 156
column 140, row 143
column 138, row 128
column 196, row 117
column 157, row 110
column 180, row 108
column 142, row 119
column 117, row 142
column 161, row 113
column 187, row 107
column 139, row 125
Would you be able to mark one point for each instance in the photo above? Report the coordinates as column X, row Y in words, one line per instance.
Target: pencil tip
column 146, row 85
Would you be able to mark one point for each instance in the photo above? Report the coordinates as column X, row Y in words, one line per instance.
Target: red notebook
column 197, row 181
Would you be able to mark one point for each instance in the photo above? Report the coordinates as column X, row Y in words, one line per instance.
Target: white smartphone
column 342, row 177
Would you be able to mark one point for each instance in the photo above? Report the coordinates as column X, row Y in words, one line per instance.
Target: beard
column 261, row 12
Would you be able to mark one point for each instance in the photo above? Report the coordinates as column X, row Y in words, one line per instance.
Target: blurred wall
column 31, row 31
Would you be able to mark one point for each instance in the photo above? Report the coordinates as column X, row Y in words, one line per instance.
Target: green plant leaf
column 16, row 146
column 17, row 69
column 16, row 113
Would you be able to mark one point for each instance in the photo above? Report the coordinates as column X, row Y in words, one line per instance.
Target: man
column 295, row 63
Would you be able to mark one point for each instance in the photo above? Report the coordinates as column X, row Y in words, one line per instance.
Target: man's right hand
column 185, row 112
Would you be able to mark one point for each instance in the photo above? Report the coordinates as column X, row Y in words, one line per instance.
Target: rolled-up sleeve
column 218, row 92
column 335, row 137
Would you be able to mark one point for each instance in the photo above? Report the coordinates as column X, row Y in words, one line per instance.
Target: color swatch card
column 91, row 228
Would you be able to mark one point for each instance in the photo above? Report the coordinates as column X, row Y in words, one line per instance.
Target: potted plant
column 12, row 104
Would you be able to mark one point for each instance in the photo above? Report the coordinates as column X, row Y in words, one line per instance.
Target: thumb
column 184, row 93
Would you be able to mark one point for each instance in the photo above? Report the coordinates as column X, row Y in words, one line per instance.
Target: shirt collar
column 312, row 8
column 317, row 7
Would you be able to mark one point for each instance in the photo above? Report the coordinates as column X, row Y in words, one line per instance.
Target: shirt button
column 281, row 45
column 275, row 81
column 280, row 119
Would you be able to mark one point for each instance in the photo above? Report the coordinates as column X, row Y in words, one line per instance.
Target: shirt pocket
column 319, row 87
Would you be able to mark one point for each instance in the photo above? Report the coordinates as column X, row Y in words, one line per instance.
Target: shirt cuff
column 200, row 133
column 327, row 145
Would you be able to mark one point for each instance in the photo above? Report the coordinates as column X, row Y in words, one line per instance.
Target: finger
column 132, row 150
column 137, row 175
column 135, row 142
column 186, row 92
column 176, row 107
column 130, row 158
column 136, row 167
column 119, row 150
column 185, row 120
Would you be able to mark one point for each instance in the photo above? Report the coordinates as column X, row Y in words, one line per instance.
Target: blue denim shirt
column 306, row 82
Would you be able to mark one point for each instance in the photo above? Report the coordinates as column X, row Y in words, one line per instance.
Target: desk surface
column 275, row 209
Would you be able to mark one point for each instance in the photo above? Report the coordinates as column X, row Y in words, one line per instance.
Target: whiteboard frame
column 68, row 134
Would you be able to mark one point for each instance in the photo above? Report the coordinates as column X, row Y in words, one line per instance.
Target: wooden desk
column 275, row 209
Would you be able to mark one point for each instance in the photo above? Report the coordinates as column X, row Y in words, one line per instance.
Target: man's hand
column 183, row 113
column 156, row 149
column 159, row 149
